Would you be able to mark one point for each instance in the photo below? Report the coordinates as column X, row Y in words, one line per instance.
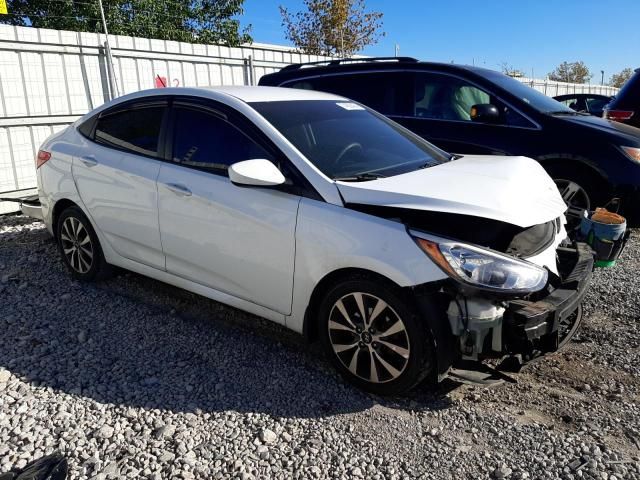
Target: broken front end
column 513, row 293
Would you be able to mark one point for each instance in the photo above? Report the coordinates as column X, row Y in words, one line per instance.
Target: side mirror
column 257, row 173
column 485, row 113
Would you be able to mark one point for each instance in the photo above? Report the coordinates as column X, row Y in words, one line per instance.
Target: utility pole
column 397, row 50
column 602, row 80
column 112, row 73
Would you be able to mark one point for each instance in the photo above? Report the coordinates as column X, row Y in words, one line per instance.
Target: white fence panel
column 48, row 78
column 553, row 89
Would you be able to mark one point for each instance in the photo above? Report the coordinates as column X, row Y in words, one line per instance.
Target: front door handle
column 89, row 160
column 178, row 189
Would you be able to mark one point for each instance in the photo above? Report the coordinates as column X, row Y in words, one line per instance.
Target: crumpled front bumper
column 532, row 328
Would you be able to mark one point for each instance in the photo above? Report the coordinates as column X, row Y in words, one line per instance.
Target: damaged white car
column 317, row 213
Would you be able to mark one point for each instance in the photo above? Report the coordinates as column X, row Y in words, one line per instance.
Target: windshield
column 533, row 97
column 347, row 141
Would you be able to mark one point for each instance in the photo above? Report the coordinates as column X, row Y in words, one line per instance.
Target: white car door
column 238, row 240
column 116, row 175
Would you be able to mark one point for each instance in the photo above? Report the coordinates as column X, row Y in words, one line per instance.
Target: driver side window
column 445, row 97
column 205, row 140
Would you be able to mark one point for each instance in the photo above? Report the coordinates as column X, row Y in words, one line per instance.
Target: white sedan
column 317, row 213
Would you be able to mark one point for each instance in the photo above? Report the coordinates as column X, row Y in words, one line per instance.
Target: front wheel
column 374, row 338
column 577, row 199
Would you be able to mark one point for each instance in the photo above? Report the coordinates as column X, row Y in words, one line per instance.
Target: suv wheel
column 79, row 246
column 577, row 199
column 373, row 337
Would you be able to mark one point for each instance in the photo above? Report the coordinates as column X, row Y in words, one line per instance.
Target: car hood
column 515, row 190
column 601, row 124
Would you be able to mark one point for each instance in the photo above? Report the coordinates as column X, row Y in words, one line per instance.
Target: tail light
column 42, row 158
column 618, row 115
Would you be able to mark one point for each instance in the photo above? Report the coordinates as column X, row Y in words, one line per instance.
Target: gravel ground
column 131, row 378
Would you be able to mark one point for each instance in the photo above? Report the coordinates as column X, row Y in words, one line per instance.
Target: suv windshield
column 536, row 99
column 347, row 141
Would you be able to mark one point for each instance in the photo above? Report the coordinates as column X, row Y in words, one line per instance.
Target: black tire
column 594, row 188
column 409, row 352
column 79, row 246
column 569, row 326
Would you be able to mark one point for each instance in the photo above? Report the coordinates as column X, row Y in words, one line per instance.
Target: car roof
column 247, row 94
column 301, row 70
column 271, row 94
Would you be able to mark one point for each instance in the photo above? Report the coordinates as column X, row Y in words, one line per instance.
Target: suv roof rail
column 340, row 61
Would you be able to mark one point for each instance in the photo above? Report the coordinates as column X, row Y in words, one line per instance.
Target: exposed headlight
column 484, row 269
column 632, row 152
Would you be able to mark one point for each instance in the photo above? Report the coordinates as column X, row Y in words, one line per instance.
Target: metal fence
column 553, row 89
column 48, row 78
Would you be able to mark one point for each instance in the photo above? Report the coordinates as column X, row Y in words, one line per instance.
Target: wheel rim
column 369, row 337
column 576, row 199
column 76, row 245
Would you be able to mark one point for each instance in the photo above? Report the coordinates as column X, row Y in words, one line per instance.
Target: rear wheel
column 373, row 336
column 79, row 246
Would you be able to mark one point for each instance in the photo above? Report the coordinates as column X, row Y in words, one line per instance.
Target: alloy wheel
column 76, row 245
column 577, row 201
column 369, row 337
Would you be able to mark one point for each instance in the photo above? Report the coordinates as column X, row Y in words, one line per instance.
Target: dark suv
column 471, row 110
column 625, row 106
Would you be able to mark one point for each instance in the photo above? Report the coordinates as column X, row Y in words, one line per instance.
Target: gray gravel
column 131, row 378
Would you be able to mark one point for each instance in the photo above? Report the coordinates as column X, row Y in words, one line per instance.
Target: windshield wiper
column 361, row 177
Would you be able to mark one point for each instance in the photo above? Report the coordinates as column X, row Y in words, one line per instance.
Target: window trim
column 134, row 105
column 535, row 124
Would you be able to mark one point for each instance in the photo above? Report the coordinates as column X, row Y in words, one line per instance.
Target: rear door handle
column 178, row 189
column 89, row 160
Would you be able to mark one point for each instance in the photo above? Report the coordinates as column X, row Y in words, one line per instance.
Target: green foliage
column 619, row 79
column 201, row 21
column 571, row 72
column 332, row 27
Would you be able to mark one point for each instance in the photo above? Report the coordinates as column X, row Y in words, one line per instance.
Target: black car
column 590, row 103
column 625, row 107
column 472, row 110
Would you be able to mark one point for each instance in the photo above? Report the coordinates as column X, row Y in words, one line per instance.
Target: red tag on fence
column 161, row 82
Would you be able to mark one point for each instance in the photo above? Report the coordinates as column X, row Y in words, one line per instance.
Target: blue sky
column 527, row 34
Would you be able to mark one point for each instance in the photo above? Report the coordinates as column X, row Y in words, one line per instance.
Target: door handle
column 89, row 160
column 178, row 189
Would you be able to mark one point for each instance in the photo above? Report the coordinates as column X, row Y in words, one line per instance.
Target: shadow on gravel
column 133, row 341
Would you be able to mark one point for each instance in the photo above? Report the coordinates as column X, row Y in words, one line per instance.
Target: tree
column 571, row 72
column 332, row 27
column 619, row 79
column 201, row 21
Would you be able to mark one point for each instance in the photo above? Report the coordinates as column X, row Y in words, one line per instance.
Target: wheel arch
column 558, row 165
column 59, row 207
column 592, row 179
column 310, row 326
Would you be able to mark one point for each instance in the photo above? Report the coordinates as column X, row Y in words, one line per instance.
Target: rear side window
column 206, row 140
column 385, row 92
column 136, row 130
